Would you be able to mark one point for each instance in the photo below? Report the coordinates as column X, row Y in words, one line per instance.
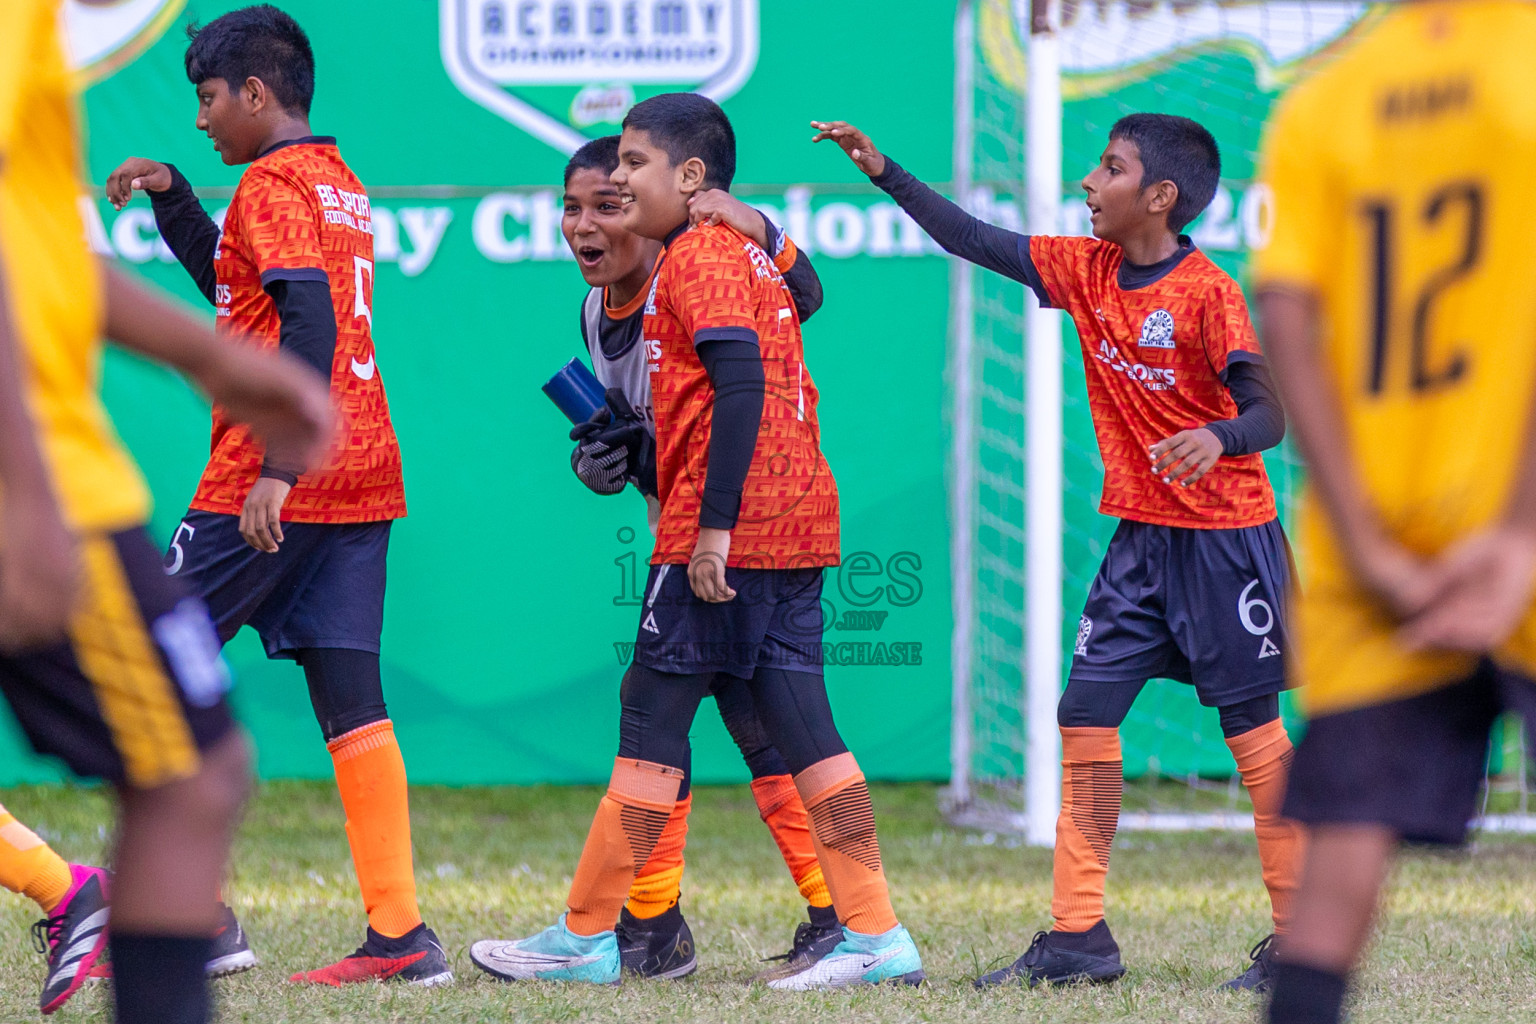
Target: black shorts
column 137, row 692
column 774, row 620
column 1198, row 606
column 1414, row 765
column 323, row 588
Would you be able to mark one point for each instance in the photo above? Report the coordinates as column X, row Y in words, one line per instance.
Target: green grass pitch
column 1458, row 942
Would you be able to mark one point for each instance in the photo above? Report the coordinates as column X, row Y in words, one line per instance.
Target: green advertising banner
column 513, row 590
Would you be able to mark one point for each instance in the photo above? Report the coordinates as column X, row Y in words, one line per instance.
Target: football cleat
column 1260, row 973
column 231, row 953
column 416, row 958
column 860, row 959
column 554, row 954
column 73, row 937
column 656, row 947
column 814, row 939
column 1061, row 958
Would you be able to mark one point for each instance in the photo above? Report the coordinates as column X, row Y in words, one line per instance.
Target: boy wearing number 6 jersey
column 300, row 557
column 1192, row 585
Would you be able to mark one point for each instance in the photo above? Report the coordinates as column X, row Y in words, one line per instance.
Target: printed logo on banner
column 105, row 37
column 564, row 71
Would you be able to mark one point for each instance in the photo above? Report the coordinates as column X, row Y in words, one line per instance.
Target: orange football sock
column 370, row 773
column 630, row 818
column 29, row 866
column 779, row 804
column 660, row 882
column 1263, row 760
column 1092, row 780
column 842, row 825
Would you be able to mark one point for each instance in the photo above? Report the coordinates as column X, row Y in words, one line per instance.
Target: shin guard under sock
column 29, row 866
column 1263, row 760
column 159, row 979
column 370, row 773
column 1092, row 781
column 628, row 824
column 842, row 824
column 659, row 885
column 779, row 804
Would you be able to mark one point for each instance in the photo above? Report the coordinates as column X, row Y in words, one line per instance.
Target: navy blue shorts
column 1414, row 765
column 323, row 588
column 1205, row 607
column 774, row 620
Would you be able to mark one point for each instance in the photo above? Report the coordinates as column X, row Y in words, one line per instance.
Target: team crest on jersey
column 1084, row 631
column 1157, row 330
column 565, row 71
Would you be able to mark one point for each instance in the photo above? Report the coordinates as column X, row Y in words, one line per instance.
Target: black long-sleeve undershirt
column 188, row 230
column 801, row 278
column 1260, row 420
column 734, row 364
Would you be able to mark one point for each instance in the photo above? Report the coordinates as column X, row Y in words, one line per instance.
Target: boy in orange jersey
column 1193, row 584
column 748, row 522
column 615, row 451
column 300, row 557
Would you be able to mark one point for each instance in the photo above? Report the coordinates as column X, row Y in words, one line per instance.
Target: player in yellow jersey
column 107, row 663
column 1400, row 320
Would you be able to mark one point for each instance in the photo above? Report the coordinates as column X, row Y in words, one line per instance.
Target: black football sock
column 159, row 979
column 1306, row 995
column 823, row 917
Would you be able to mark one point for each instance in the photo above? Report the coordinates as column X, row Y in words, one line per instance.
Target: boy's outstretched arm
column 37, row 554
column 186, row 227
column 987, row 245
column 286, row 403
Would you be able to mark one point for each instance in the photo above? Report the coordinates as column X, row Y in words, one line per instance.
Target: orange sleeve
column 1225, row 325
column 710, row 288
column 280, row 225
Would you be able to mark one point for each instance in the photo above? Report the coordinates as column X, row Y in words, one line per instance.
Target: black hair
column 1174, row 149
column 598, row 155
column 255, row 42
column 688, row 125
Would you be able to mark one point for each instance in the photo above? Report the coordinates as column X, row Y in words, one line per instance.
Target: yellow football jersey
column 52, row 278
column 1402, row 200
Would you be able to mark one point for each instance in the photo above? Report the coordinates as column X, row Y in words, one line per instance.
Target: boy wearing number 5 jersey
column 300, row 557
column 1191, row 587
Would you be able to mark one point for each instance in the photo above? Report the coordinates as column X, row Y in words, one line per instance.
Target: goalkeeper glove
column 609, row 445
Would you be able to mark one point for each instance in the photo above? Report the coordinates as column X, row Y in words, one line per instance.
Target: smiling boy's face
column 654, row 192
column 1117, row 203
column 593, row 226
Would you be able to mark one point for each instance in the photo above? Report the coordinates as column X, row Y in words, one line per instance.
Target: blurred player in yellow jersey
column 1398, row 307
column 107, row 663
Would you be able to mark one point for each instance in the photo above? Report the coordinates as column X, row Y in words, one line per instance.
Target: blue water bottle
column 576, row 391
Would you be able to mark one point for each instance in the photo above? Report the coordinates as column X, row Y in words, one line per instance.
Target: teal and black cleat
column 860, row 960
column 1260, row 973
column 554, row 954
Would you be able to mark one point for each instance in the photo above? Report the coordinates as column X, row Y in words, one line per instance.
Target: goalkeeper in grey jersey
column 616, row 447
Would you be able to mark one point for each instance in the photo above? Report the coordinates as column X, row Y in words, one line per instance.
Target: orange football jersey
column 300, row 213
column 713, row 279
column 1153, row 357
